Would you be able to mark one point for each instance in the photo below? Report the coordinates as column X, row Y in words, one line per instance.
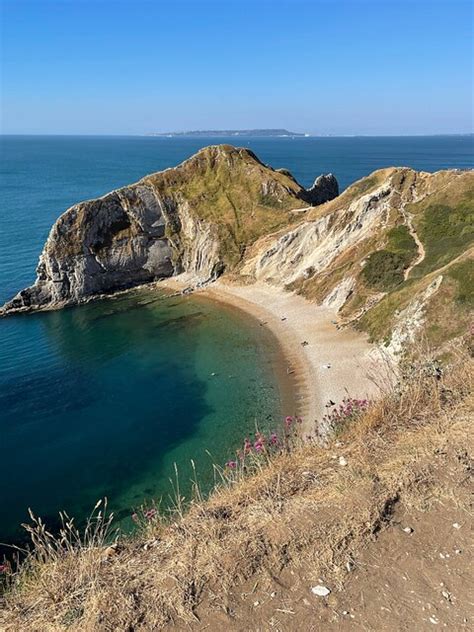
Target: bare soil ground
column 400, row 581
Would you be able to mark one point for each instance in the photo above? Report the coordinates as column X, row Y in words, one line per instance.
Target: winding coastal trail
column 323, row 362
column 421, row 249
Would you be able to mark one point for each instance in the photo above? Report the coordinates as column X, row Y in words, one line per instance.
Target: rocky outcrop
column 411, row 319
column 198, row 218
column 104, row 245
column 324, row 189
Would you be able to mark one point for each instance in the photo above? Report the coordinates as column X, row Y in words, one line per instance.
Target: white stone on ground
column 321, row 591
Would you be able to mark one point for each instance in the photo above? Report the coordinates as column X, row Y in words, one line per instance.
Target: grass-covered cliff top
column 230, row 188
column 225, row 186
column 377, row 520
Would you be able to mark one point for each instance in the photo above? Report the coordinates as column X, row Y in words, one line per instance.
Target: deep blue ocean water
column 102, row 399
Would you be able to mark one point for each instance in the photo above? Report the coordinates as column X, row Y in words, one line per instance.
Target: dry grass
column 301, row 507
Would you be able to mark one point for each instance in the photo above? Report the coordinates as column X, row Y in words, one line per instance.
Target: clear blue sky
column 322, row 66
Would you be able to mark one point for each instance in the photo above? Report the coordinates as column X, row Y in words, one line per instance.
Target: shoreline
column 333, row 364
column 288, row 382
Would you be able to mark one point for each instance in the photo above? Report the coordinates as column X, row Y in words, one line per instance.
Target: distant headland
column 210, row 133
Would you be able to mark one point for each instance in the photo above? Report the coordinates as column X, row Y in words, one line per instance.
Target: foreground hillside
column 379, row 518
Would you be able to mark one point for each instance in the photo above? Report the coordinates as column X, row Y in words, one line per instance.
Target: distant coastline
column 210, row 133
column 228, row 134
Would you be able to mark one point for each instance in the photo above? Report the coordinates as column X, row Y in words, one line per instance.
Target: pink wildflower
column 273, row 438
column 150, row 513
column 135, row 517
column 3, row 568
column 231, row 464
column 288, row 421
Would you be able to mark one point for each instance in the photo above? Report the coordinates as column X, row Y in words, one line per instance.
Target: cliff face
column 198, row 217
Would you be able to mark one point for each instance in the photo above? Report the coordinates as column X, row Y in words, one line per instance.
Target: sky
column 337, row 67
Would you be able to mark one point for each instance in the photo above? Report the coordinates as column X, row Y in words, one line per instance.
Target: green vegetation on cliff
column 384, row 268
column 230, row 188
column 446, row 231
column 444, row 221
column 463, row 274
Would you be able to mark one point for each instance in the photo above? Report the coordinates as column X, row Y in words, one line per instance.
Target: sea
column 123, row 397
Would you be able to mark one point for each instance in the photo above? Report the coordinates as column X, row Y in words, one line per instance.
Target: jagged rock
column 324, row 189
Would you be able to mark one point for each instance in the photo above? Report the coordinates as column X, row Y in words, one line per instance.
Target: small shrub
column 384, row 270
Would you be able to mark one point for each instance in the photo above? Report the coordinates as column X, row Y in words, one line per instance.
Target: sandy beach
column 324, row 363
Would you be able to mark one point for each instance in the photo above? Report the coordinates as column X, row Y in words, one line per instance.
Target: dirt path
column 421, row 248
column 403, row 581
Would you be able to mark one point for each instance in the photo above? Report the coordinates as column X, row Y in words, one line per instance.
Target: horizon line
column 161, row 135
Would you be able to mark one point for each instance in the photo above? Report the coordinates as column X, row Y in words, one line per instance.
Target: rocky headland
column 389, row 255
column 198, row 218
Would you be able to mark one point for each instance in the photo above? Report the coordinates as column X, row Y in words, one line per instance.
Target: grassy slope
column 384, row 268
column 249, row 555
column 444, row 222
column 445, row 227
column 224, row 185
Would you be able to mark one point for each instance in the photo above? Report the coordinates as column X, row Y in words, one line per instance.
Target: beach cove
column 322, row 363
column 104, row 398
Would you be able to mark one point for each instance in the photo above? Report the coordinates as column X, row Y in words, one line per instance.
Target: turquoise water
column 102, row 399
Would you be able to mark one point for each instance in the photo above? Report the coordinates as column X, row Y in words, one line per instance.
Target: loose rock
column 321, row 591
